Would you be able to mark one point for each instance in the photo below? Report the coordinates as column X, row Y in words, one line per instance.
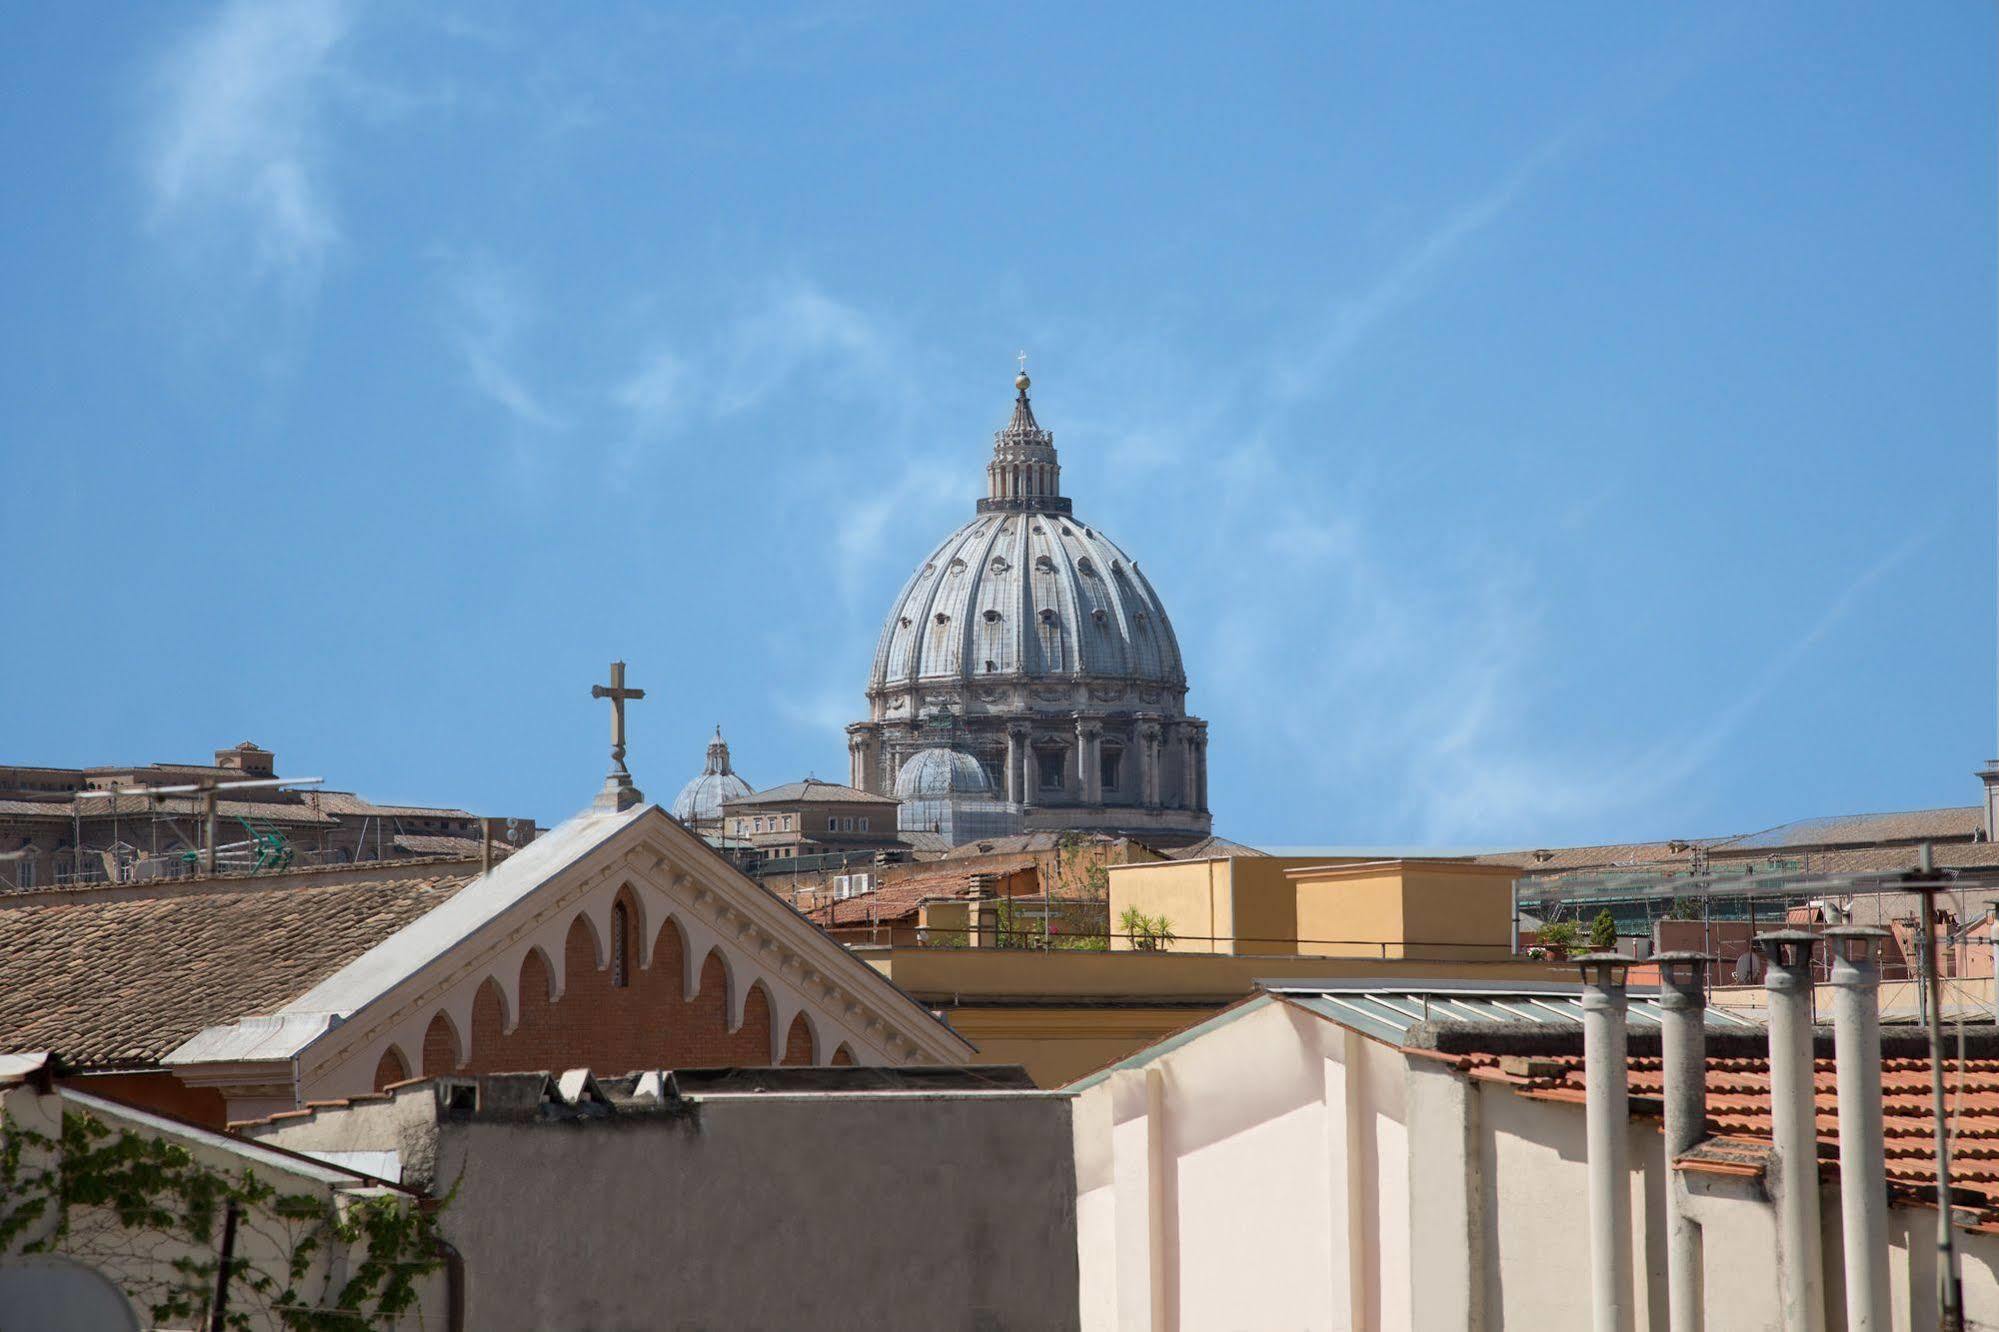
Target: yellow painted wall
column 1191, row 895
column 1008, row 1001
column 1405, row 908
column 1264, row 906
column 1240, row 904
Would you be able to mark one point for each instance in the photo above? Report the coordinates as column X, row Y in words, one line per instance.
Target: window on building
column 1109, row 764
column 790, row 822
column 832, row 824
column 864, row 823
column 843, row 887
column 847, row 823
column 620, row 945
column 1050, row 761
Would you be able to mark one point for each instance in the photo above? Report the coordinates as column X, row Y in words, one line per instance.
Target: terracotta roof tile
column 1738, row 1106
column 119, row 982
column 899, row 898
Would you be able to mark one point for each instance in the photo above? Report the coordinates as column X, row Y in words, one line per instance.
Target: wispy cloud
column 237, row 134
column 487, row 310
column 797, row 329
column 1352, row 318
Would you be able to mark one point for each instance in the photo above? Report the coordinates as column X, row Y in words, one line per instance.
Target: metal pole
column 1794, row 1124
column 1683, row 1038
column 1863, row 1170
column 1607, row 1125
column 1950, row 1286
column 208, row 822
column 218, row 1318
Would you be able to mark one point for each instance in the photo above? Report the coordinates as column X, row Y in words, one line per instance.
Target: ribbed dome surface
column 703, row 797
column 1027, row 594
column 939, row 774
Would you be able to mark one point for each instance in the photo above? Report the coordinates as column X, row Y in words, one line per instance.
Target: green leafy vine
column 149, row 1214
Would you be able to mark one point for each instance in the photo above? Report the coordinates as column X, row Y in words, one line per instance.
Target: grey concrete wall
column 771, row 1212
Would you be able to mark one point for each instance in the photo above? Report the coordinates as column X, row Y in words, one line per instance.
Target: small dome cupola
column 941, row 774
column 701, row 800
column 1024, row 474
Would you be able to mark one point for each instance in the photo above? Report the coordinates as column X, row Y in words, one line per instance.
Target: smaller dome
column 702, row 799
column 939, row 774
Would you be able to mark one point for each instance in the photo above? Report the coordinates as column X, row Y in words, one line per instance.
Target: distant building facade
column 63, row 826
column 1030, row 642
column 808, row 820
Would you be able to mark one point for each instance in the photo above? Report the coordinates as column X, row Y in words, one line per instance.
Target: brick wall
column 643, row 1023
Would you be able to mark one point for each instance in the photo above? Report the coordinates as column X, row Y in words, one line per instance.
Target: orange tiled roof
column 1738, row 1103
column 899, row 898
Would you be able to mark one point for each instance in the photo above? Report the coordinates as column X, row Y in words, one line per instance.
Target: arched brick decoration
column 391, row 1068
column 646, row 1023
column 489, row 1016
column 749, row 1045
column 537, row 979
column 798, row 1042
column 579, row 951
column 440, row 1047
column 698, row 1035
column 843, row 1056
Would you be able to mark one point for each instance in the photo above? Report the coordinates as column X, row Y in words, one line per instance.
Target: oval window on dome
column 999, row 564
column 992, row 617
column 942, row 618
column 906, row 622
column 1084, row 566
column 957, row 566
column 1047, row 616
column 1099, row 616
column 1042, row 564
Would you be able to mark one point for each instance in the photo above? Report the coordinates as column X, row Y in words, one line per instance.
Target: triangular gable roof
column 487, row 928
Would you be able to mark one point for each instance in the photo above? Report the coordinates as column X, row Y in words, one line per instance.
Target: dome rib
column 1135, row 640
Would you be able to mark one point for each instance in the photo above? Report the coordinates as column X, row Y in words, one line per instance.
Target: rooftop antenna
column 206, row 788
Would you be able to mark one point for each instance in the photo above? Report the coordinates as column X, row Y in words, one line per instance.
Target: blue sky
column 1544, row 424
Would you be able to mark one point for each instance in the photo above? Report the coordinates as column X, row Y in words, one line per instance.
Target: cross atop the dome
column 1022, row 358
column 618, row 792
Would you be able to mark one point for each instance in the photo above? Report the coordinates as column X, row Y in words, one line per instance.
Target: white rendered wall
column 1279, row 1171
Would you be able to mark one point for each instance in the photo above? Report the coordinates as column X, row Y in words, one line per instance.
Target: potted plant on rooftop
column 1557, row 939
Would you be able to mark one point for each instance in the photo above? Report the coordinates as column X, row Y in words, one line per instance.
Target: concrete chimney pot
column 1794, row 1122
column 1683, row 1047
column 1863, row 1168
column 1607, row 1126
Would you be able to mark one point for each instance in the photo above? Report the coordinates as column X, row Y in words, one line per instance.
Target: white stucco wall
column 1311, row 1178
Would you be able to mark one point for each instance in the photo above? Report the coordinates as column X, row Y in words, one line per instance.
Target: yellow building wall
column 1062, row 1013
column 1238, row 904
column 1263, row 906
column 1192, row 896
column 1409, row 908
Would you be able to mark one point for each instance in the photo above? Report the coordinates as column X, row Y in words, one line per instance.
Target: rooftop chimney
column 248, row 759
column 1683, row 1036
column 1863, row 1168
column 1607, row 1127
column 1794, row 1122
column 1989, row 774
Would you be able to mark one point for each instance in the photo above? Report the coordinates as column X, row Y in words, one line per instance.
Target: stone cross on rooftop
column 618, row 792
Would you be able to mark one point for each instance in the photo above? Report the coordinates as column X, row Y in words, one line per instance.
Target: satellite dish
column 54, row 1294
